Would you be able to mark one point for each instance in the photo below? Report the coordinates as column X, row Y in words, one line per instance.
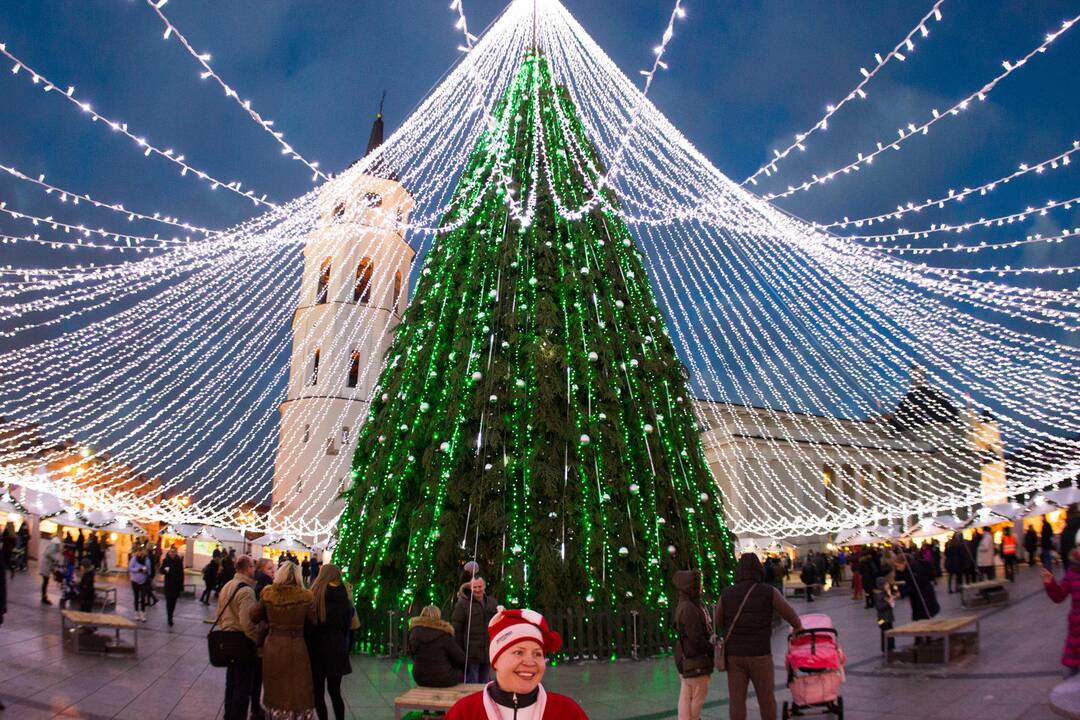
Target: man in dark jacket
column 172, row 568
column 747, row 635
column 472, row 613
column 809, row 577
column 918, row 579
column 86, row 586
column 3, row 595
column 1068, row 535
column 438, row 661
column 1031, row 544
column 210, row 577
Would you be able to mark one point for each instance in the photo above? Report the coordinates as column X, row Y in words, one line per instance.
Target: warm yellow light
column 47, row 526
column 113, row 537
column 85, row 452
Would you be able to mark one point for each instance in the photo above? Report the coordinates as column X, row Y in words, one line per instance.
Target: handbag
column 720, row 652
column 227, row 647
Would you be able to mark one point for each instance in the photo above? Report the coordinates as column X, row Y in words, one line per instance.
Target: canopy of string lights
column 844, row 377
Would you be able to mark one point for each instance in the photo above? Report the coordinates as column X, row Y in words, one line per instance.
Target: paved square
column 1011, row 677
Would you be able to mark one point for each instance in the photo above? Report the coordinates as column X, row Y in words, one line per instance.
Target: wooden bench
column 422, row 698
column 796, row 588
column 987, row 592
column 106, row 596
column 80, row 627
column 947, row 639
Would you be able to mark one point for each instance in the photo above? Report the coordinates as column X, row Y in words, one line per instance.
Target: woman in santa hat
column 519, row 644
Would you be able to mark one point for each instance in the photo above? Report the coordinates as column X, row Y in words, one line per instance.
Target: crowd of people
column 298, row 618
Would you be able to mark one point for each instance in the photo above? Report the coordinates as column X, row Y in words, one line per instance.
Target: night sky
column 744, row 78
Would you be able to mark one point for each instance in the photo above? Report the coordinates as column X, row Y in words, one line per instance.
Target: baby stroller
column 815, row 668
column 69, row 589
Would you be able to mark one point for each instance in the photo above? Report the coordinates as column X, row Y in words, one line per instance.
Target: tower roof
column 378, row 167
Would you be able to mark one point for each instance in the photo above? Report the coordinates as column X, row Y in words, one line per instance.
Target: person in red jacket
column 519, row 645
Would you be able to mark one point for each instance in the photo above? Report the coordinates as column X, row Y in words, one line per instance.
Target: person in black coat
column 1031, row 544
column 86, row 586
column 918, row 579
column 955, row 562
column 328, row 639
column 472, row 613
column 172, row 568
column 1046, row 545
column 438, row 661
column 3, row 595
column 809, row 577
column 1068, row 535
column 210, row 578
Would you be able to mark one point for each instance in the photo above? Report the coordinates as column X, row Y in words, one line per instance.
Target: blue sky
column 744, row 78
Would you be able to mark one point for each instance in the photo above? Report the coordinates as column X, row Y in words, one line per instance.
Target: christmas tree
column 532, row 413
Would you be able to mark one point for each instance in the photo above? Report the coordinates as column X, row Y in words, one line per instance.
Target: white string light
column 900, row 53
column 209, row 73
column 865, row 159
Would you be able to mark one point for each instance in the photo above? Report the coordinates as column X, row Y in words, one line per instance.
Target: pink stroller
column 815, row 667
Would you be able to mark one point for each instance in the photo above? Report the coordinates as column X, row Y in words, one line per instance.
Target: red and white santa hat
column 511, row 627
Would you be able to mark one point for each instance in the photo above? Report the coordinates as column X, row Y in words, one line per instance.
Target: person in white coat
column 984, row 556
column 50, row 561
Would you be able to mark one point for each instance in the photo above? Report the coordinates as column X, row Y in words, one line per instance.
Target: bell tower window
column 322, row 292
column 372, row 200
column 397, row 289
column 339, row 211
column 313, row 379
column 362, row 285
column 354, row 369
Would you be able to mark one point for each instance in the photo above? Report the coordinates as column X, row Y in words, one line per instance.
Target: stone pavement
column 1011, row 678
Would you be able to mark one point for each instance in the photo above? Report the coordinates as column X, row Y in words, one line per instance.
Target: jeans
column 138, row 590
column 477, row 672
column 205, row 599
column 1047, row 557
column 742, row 670
column 692, row 692
column 331, row 683
column 238, row 690
column 44, row 587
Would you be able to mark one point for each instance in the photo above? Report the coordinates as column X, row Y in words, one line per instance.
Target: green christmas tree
column 532, row 414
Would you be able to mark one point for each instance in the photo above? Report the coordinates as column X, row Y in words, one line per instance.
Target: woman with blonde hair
column 438, row 660
column 287, row 686
column 328, row 639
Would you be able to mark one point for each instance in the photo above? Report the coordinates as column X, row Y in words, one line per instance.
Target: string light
column 209, row 73
column 911, row 130
column 142, row 143
column 904, row 47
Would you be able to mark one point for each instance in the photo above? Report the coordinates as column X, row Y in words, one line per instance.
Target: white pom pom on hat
column 511, row 627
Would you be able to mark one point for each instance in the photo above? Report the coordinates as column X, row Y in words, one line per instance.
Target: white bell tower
column 352, row 295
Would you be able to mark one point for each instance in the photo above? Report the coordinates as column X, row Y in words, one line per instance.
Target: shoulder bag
column 720, row 652
column 229, row 646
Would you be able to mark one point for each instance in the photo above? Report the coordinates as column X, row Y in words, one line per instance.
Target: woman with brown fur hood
column 288, row 692
column 438, row 661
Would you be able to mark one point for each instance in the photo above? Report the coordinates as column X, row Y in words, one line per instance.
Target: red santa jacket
column 480, row 706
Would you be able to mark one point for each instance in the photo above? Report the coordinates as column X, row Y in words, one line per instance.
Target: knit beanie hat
column 511, row 627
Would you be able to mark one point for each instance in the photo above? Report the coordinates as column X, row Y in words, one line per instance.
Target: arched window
column 307, row 432
column 339, row 210
column 372, row 199
column 314, row 378
column 322, row 292
column 362, row 286
column 397, row 289
column 354, row 369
